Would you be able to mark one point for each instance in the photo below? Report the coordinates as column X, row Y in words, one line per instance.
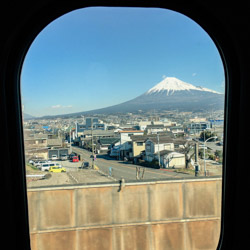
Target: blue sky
column 96, row 57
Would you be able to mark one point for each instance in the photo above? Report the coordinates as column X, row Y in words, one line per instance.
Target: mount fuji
column 171, row 84
column 170, row 94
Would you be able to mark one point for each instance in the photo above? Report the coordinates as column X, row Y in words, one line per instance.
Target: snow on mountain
column 172, row 84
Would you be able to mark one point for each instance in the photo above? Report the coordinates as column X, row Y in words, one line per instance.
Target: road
column 125, row 170
column 214, row 146
column 210, row 144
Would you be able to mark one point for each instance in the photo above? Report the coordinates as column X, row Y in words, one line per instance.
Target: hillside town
column 180, row 142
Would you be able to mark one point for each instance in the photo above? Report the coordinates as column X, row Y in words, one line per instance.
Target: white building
column 123, row 147
column 170, row 159
column 125, row 135
column 144, row 124
column 152, row 146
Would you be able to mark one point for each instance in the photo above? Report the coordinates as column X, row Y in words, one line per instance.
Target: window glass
column 126, row 96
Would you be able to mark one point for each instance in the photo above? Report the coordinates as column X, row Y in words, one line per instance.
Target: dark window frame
column 19, row 36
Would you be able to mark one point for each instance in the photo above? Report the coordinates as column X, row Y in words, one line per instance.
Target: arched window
column 224, row 51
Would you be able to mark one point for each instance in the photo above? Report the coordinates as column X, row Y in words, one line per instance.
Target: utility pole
column 204, row 154
column 159, row 160
column 92, row 142
column 196, row 159
column 70, row 149
column 213, row 137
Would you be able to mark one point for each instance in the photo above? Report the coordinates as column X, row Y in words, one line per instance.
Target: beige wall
column 158, row 215
column 137, row 149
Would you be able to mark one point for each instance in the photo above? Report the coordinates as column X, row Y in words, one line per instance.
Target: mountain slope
column 169, row 94
column 27, row 116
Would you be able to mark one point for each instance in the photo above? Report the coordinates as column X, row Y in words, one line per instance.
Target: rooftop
column 131, row 131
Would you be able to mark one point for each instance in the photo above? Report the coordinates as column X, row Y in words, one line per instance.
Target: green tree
column 208, row 134
column 219, row 155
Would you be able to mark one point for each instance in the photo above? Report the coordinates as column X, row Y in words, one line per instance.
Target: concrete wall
column 180, row 214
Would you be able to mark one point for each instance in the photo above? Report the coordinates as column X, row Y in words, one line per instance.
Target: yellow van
column 57, row 169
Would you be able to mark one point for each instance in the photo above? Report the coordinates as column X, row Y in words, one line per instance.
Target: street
column 120, row 169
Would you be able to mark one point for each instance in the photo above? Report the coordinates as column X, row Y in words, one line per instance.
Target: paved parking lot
column 69, row 165
column 73, row 175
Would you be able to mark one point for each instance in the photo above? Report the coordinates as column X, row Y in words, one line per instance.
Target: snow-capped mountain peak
column 172, row 84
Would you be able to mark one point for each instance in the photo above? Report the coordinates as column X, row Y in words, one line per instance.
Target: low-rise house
column 155, row 128
column 177, row 130
column 138, row 146
column 115, row 151
column 143, row 124
column 171, row 159
column 156, row 144
column 54, row 143
column 35, row 142
column 126, row 135
column 180, row 143
column 98, row 133
column 124, row 146
column 126, row 142
column 103, row 144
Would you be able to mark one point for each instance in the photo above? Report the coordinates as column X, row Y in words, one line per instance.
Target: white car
column 64, row 157
column 54, row 157
column 39, row 163
column 46, row 166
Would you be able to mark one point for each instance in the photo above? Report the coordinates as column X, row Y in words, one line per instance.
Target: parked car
column 39, row 163
column 46, row 166
column 75, row 159
column 84, row 165
column 72, row 155
column 31, row 162
column 64, row 157
column 54, row 157
column 57, row 169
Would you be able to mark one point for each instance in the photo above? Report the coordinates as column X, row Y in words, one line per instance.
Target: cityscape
column 108, row 148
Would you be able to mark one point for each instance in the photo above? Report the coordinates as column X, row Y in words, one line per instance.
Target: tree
column 188, row 154
column 219, row 155
column 208, row 134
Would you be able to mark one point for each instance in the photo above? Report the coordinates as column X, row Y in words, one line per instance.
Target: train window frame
column 14, row 56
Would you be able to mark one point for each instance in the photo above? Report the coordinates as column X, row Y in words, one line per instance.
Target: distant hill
column 28, row 117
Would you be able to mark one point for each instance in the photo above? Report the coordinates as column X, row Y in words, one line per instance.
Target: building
column 138, row 146
column 99, row 126
column 58, row 152
column 90, row 120
column 104, row 144
column 197, row 127
column 126, row 135
column 170, row 159
column 144, row 124
column 155, row 128
column 177, row 130
column 80, row 129
column 124, row 147
column 154, row 145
